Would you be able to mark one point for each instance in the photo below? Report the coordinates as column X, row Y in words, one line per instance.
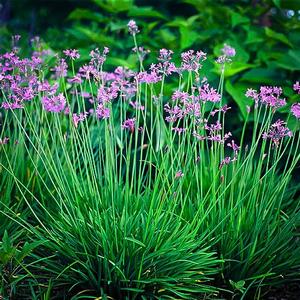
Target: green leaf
column 178, row 22
column 290, row 4
column 115, row 6
column 187, row 37
column 135, row 241
column 254, row 37
column 145, row 11
column 290, row 60
column 237, row 92
column 7, row 250
column 237, row 19
column 240, row 284
column 6, row 242
column 116, row 61
column 277, row 36
column 27, row 249
column 80, row 14
column 233, row 68
column 277, row 3
column 263, row 76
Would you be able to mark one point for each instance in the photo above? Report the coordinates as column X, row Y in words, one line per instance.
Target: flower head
column 267, row 95
column 79, row 118
column 72, row 53
column 54, row 103
column 228, row 51
column 226, row 161
column 132, row 27
column 190, row 61
column 61, row 69
column 296, row 87
column 206, row 93
column 179, row 174
column 4, row 141
column 129, row 124
column 102, row 112
column 295, row 109
column 277, row 132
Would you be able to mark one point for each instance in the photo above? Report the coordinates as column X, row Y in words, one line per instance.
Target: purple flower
column 179, row 130
column 87, row 70
column 296, row 87
column 277, row 132
column 102, row 112
column 225, row 161
column 72, row 53
column 213, row 127
column 4, row 141
column 228, row 51
column 132, row 27
column 179, row 174
column 198, row 136
column 137, row 105
column 129, row 124
column 144, row 77
column 190, row 61
column 175, row 113
column 165, row 55
column 223, row 109
column 181, row 96
column 295, row 109
column 208, row 94
column 98, row 58
column 234, row 147
column 141, row 51
column 268, row 95
column 107, row 94
column 79, row 118
column 54, row 103
column 75, row 79
column 13, row 105
column 61, row 69
column 271, row 96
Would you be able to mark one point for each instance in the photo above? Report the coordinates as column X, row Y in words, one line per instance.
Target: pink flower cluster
column 277, row 132
column 268, row 95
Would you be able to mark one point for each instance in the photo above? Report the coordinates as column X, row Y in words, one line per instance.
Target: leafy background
column 265, row 34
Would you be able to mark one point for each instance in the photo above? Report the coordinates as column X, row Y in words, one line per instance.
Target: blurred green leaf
column 237, row 19
column 84, row 32
column 290, row 4
column 237, row 92
column 277, row 36
column 145, row 11
column 277, row 3
column 290, row 60
column 115, row 6
column 187, row 37
column 116, row 61
column 263, row 76
column 81, row 13
column 254, row 37
column 233, row 68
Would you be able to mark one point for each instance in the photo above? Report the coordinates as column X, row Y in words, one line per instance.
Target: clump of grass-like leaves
column 124, row 191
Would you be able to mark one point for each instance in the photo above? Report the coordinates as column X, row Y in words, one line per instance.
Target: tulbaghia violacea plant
column 143, row 193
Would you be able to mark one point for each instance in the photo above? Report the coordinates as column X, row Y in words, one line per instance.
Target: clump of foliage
column 127, row 184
